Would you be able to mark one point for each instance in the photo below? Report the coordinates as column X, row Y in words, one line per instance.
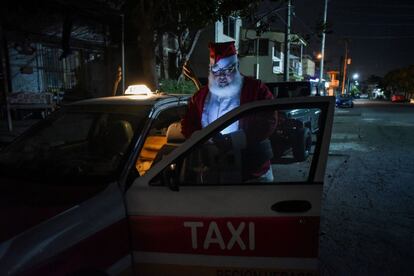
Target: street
column 367, row 220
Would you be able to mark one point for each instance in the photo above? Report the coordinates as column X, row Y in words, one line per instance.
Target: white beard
column 231, row 90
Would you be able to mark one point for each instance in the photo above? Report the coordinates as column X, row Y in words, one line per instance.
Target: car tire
column 302, row 143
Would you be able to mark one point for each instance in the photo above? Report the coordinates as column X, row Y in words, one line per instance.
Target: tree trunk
column 146, row 44
column 147, row 54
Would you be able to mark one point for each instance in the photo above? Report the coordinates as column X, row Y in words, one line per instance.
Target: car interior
column 164, row 136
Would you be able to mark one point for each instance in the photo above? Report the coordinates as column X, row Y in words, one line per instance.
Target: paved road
column 367, row 222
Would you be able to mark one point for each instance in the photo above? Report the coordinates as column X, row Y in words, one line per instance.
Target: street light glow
column 355, row 76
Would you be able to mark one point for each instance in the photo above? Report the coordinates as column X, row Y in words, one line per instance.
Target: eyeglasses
column 226, row 71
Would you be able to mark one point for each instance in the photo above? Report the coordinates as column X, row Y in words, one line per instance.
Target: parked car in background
column 397, row 98
column 294, row 132
column 364, row 96
column 344, row 101
column 296, row 126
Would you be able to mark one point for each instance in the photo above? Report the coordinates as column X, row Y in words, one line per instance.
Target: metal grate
column 58, row 74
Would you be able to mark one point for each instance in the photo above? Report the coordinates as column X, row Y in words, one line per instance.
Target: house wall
column 199, row 61
column 221, row 37
column 248, row 66
column 25, row 74
column 82, row 73
column 270, row 66
column 308, row 66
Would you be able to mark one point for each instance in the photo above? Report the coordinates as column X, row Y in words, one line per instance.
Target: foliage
column 170, row 16
column 179, row 18
column 354, row 91
column 177, row 87
column 400, row 80
column 373, row 79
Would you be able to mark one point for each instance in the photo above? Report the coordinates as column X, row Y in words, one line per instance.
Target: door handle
column 292, row 206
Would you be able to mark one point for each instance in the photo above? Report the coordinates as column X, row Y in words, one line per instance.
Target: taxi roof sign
column 138, row 89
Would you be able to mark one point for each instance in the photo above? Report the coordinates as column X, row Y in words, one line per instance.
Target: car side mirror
column 170, row 177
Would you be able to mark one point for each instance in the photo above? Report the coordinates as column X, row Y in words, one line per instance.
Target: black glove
column 223, row 142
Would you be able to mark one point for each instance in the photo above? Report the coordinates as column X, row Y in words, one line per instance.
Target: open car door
column 214, row 208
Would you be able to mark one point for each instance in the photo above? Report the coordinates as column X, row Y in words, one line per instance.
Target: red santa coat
column 256, row 127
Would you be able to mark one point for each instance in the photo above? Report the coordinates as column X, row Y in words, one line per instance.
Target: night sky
column 381, row 32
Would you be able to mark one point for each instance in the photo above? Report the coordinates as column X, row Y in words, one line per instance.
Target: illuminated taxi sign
column 138, row 89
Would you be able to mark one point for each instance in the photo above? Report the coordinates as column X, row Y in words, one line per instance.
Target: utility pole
column 323, row 41
column 123, row 51
column 257, row 59
column 345, row 65
column 258, row 34
column 287, row 42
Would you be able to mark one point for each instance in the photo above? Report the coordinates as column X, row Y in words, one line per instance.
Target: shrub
column 177, row 87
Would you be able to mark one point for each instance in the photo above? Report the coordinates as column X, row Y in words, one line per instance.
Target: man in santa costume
column 227, row 89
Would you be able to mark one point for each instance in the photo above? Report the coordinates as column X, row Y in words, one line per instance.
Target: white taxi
column 110, row 187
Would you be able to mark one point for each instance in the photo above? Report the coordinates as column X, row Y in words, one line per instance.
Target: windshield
column 76, row 142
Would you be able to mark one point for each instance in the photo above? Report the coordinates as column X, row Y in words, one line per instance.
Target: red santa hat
column 222, row 54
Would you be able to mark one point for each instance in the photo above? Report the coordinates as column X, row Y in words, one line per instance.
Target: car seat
column 158, row 146
column 113, row 139
column 117, row 138
column 174, row 139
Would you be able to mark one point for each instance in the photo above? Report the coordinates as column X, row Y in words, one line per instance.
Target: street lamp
column 355, row 76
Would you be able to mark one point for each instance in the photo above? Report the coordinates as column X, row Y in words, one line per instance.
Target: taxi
column 109, row 186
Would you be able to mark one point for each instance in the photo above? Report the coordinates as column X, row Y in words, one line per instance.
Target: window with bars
column 277, row 48
column 59, row 74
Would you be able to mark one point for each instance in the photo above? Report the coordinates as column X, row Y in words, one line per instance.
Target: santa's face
column 223, row 77
column 226, row 82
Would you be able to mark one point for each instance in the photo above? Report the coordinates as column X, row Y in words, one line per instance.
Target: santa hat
column 222, row 54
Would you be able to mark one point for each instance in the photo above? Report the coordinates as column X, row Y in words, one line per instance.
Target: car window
column 163, row 137
column 270, row 146
column 74, row 144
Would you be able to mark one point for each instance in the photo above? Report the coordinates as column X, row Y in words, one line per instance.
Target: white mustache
column 227, row 91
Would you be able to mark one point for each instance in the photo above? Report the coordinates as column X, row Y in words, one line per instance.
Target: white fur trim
column 224, row 62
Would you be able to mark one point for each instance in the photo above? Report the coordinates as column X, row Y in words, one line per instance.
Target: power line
column 303, row 23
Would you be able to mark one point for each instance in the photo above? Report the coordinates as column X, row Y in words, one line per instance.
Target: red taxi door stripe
column 272, row 237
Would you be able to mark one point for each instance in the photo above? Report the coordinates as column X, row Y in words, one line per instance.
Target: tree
column 374, row 80
column 400, row 81
column 184, row 19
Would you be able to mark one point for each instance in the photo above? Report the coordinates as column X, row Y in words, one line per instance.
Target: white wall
column 308, row 67
column 221, row 37
column 268, row 72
